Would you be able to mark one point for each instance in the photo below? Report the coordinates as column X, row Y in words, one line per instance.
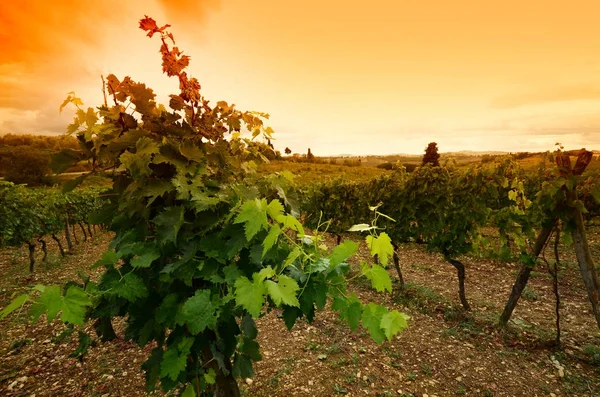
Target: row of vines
column 31, row 216
column 494, row 210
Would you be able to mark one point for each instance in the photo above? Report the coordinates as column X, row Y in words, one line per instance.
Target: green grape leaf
column 14, row 305
column 264, row 273
column 350, row 310
column 321, row 265
column 242, row 366
column 381, row 246
column 138, row 163
column 189, row 391
column 192, row 151
column 380, row 278
column 74, row 306
column 393, row 322
column 292, row 256
column 253, row 214
column 284, row 291
column 271, row 239
column 168, row 223
column 339, row 303
column 210, row 377
column 275, row 209
column 149, row 255
column 290, row 315
column 73, row 183
column 167, row 311
column 142, row 97
column 320, row 292
column 371, row 320
column 130, row 287
column 49, row 302
column 250, row 295
column 250, row 348
column 173, row 362
column 199, row 312
column 64, row 159
column 84, row 344
column 342, row 252
column 152, row 368
column 108, row 259
column 249, row 327
column 291, row 222
column 232, row 273
column 353, row 315
column 155, row 189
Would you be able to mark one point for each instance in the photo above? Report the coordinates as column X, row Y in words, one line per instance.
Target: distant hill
column 473, row 153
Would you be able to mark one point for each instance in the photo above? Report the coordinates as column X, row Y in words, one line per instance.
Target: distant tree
column 29, row 166
column 431, row 155
column 309, row 155
column 288, row 151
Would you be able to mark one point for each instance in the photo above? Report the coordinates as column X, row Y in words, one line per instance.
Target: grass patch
column 20, row 343
column 593, row 354
column 530, row 294
column 333, row 349
column 312, row 346
column 420, row 298
column 426, row 369
column 421, row 267
column 339, row 389
column 340, row 362
column 286, row 369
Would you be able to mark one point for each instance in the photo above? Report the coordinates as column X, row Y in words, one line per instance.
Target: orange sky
column 354, row 77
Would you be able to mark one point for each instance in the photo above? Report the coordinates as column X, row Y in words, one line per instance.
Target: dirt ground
column 444, row 352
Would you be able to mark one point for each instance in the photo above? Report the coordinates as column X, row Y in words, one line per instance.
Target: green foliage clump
column 593, row 353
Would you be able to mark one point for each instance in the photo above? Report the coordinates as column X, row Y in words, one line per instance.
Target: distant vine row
column 30, row 216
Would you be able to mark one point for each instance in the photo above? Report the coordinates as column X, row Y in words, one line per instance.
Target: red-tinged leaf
column 176, row 102
column 170, row 35
column 112, row 83
column 149, row 25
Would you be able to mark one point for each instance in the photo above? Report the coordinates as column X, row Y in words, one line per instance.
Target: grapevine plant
column 202, row 245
